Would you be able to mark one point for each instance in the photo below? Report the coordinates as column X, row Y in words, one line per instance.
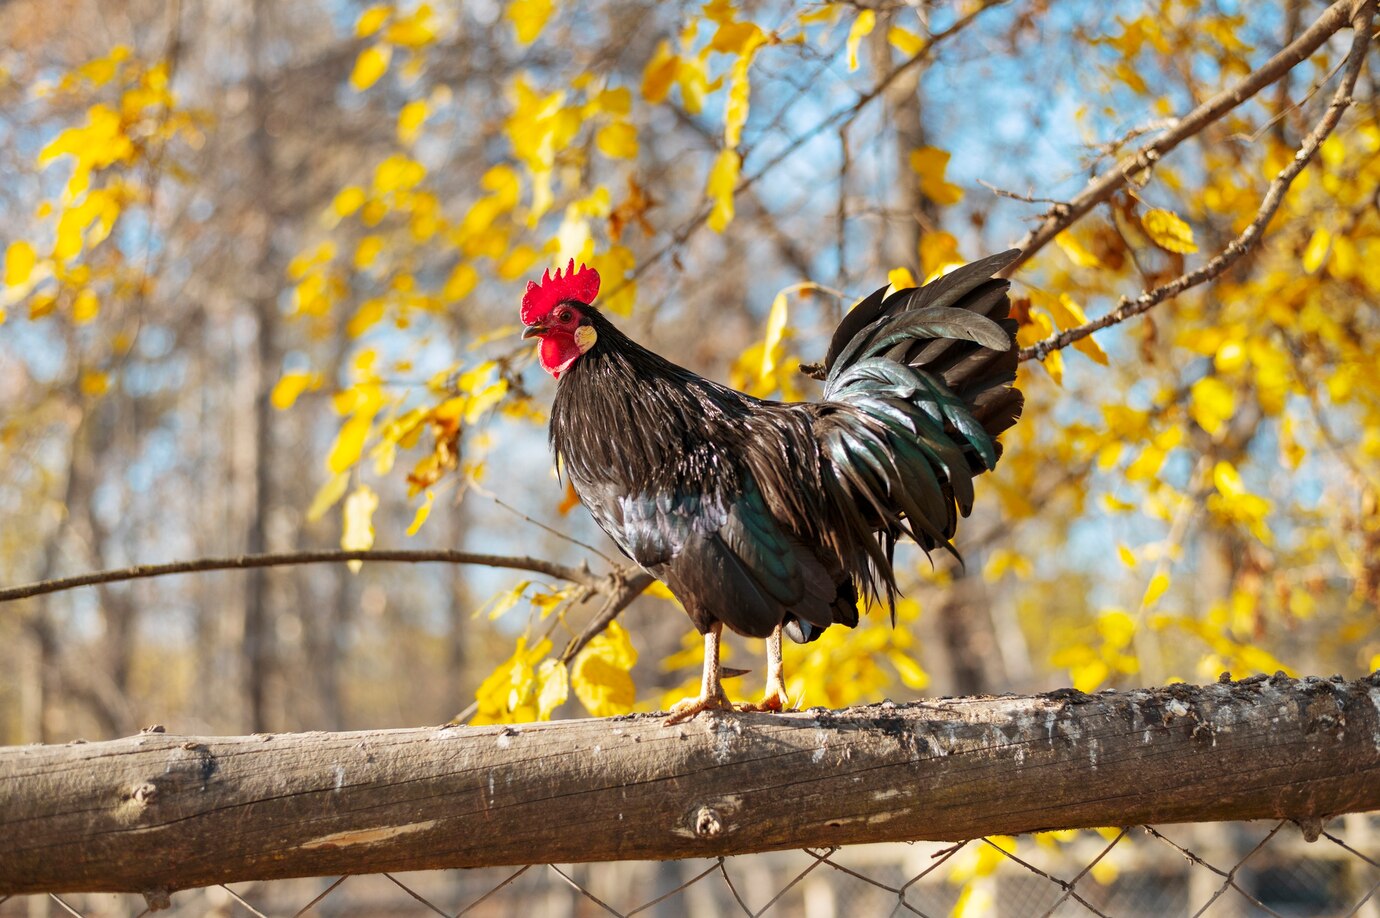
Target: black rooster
column 774, row 516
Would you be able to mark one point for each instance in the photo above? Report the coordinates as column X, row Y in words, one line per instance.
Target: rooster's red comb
column 581, row 285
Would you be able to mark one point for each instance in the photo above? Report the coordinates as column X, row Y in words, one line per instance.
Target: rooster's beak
column 533, row 331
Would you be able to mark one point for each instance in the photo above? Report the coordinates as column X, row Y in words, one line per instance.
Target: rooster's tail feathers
column 922, row 380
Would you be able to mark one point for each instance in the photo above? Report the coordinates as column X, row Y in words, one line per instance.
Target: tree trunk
column 159, row 812
column 257, row 627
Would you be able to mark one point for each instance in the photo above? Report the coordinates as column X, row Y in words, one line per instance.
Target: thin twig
column 631, row 588
column 281, row 559
column 1017, row 196
column 1103, row 187
column 1251, row 235
column 540, row 525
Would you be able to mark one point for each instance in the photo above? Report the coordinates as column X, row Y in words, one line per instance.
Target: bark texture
column 162, row 812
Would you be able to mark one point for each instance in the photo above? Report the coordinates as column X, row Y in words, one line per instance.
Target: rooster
column 774, row 517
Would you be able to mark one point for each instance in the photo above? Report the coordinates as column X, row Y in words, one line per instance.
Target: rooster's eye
column 564, row 315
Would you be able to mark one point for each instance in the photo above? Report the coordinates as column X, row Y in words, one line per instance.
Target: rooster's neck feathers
column 624, row 413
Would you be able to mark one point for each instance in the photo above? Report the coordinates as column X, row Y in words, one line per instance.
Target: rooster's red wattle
column 773, row 517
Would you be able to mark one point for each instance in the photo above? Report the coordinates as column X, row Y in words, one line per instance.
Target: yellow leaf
column 503, row 602
column 661, row 591
column 659, row 73
column 423, row 512
column 287, row 390
column 616, row 266
column 617, row 101
column 723, row 179
column 358, row 533
column 415, row 31
column 692, row 76
column 553, row 687
column 829, row 13
column 462, row 280
column 1212, row 404
column 398, row 173
column 600, row 676
column 327, row 495
column 1115, row 504
column 1004, row 560
column 1068, row 314
column 776, row 327
column 94, row 383
column 349, row 443
column 938, row 253
column 529, row 18
column 369, row 314
column 371, row 64
column 85, row 307
column 367, row 252
column 617, row 140
column 1127, row 557
column 905, row 41
column 911, row 673
column 740, row 90
column 1074, row 249
column 348, row 200
column 1117, row 626
column 19, row 263
column 372, row 19
column 930, row 163
column 1227, row 480
column 481, row 402
column 901, row 279
column 516, row 262
column 1230, row 357
column 410, row 120
column 1316, row 252
column 1158, row 584
column 1168, row 231
column 862, row 26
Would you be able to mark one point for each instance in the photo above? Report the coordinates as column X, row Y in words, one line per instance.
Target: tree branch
column 1274, row 196
column 629, row 589
column 1059, row 218
column 581, row 575
column 104, row 816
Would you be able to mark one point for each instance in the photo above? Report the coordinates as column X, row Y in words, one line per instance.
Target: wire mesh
column 1222, row 870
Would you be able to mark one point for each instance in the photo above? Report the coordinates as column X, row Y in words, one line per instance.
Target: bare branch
column 581, row 576
column 629, row 589
column 1058, row 219
column 1251, row 235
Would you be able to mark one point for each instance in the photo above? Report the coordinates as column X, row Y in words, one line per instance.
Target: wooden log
column 159, row 812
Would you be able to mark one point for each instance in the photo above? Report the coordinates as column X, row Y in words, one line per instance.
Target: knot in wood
column 146, row 794
column 159, row 899
column 708, row 823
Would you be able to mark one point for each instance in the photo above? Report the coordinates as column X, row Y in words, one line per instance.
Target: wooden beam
column 159, row 812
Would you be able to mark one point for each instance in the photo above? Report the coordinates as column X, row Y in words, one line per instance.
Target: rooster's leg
column 774, row 699
column 712, row 695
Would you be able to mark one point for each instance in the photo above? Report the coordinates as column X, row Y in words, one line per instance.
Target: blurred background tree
column 262, row 264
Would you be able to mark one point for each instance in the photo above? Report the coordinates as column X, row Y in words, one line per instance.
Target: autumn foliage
column 1196, row 489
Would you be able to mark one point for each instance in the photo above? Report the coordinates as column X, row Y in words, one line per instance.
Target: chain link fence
column 1224, row 870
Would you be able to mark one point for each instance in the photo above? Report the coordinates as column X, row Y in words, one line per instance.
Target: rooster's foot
column 775, row 700
column 687, row 708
